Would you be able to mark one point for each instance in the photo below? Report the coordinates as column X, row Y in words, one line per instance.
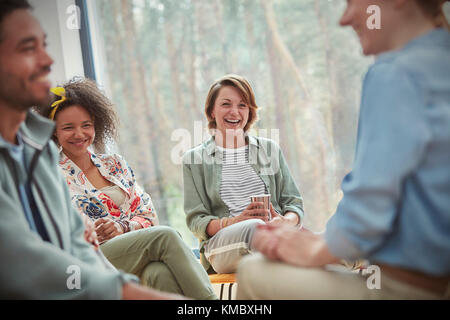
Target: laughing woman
column 104, row 188
column 222, row 174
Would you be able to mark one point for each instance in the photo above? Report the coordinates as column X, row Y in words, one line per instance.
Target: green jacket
column 202, row 175
column 32, row 268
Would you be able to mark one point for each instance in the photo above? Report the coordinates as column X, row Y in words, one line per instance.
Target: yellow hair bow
column 61, row 92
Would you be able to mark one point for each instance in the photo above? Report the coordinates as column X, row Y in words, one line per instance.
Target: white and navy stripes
column 239, row 180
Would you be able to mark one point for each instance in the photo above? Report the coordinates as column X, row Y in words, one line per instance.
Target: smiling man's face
column 24, row 62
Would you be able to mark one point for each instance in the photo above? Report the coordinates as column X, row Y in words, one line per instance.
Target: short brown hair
column 85, row 93
column 244, row 88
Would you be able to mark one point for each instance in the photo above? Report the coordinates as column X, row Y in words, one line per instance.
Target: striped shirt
column 239, row 180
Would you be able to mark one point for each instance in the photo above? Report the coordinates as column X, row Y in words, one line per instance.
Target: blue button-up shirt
column 396, row 204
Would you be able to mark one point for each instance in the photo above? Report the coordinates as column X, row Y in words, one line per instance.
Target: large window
column 161, row 56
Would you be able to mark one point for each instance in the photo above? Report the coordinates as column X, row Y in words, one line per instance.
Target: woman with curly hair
column 103, row 187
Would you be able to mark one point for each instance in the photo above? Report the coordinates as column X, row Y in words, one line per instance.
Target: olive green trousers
column 161, row 259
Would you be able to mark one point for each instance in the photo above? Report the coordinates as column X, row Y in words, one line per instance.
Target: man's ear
column 444, row 19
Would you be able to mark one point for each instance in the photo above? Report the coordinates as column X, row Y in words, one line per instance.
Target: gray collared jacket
column 67, row 267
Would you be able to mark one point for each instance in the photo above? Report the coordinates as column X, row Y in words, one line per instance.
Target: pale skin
column 402, row 21
column 24, row 69
column 231, row 113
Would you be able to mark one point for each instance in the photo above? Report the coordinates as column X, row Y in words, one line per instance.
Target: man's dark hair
column 9, row 6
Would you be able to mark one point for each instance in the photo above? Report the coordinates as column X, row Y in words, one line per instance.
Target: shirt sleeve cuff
column 143, row 222
column 338, row 242
column 203, row 224
column 296, row 210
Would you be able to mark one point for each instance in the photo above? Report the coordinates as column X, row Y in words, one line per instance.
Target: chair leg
column 230, row 287
column 221, row 290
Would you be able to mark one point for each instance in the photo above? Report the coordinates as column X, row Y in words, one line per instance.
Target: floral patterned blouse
column 137, row 207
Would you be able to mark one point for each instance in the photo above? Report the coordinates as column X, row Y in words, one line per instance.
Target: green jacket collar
column 36, row 131
column 210, row 144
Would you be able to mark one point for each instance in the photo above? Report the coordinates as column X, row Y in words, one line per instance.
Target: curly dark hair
column 85, row 93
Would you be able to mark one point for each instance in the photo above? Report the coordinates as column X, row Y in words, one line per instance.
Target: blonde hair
column 244, row 88
column 435, row 9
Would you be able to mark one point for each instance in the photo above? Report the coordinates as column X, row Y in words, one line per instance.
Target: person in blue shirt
column 395, row 212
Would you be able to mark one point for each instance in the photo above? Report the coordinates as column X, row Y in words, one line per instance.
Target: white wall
column 63, row 42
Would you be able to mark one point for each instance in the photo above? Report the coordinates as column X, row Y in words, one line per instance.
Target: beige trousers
column 261, row 279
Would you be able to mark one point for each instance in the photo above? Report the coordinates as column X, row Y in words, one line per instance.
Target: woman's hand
column 89, row 232
column 107, row 229
column 278, row 219
column 254, row 211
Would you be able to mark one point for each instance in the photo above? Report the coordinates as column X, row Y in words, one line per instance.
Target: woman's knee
column 252, row 223
column 225, row 266
column 249, row 228
column 166, row 232
column 154, row 272
column 155, row 238
column 157, row 275
column 224, row 253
